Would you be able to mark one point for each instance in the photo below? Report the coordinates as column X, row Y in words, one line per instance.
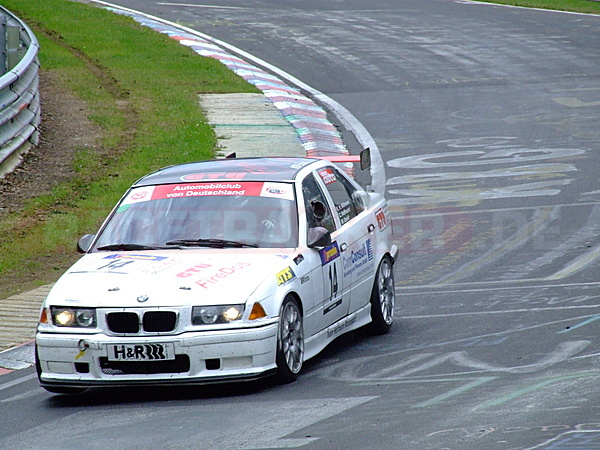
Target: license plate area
column 141, row 352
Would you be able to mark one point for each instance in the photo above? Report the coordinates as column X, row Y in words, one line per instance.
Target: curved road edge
column 317, row 134
column 318, row 141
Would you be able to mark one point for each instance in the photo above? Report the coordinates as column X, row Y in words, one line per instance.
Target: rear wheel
column 383, row 298
column 290, row 342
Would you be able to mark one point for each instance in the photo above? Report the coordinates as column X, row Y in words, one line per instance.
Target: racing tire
column 55, row 389
column 383, row 298
column 290, row 342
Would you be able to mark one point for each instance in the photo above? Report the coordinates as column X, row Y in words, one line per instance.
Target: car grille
column 123, row 322
column 180, row 364
column 152, row 322
column 159, row 321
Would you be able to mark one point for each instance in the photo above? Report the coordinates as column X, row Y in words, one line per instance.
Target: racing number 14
column 333, row 284
column 333, row 281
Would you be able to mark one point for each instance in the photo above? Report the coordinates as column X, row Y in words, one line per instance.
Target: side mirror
column 362, row 198
column 85, row 242
column 365, row 159
column 318, row 237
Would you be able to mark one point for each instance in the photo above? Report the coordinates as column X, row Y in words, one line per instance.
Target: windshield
column 204, row 214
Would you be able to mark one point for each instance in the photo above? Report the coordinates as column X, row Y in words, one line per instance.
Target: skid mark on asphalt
column 535, row 387
column 359, row 371
column 581, row 439
column 581, row 324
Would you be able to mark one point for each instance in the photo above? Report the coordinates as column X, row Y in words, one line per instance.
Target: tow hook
column 83, row 346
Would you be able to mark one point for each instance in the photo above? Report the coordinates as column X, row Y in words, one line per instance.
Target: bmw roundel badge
column 142, row 298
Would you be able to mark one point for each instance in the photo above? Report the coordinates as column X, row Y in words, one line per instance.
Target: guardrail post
column 3, row 46
column 14, row 50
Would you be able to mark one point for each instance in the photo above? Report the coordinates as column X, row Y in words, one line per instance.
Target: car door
column 331, row 292
column 356, row 237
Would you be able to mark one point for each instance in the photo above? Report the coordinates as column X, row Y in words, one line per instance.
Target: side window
column 353, row 192
column 312, row 193
column 341, row 192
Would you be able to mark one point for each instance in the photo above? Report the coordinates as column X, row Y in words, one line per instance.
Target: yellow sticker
column 285, row 276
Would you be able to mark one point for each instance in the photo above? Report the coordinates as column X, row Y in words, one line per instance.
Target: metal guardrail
column 20, row 112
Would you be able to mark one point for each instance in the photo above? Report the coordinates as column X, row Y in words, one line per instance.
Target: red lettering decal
column 192, row 270
column 327, row 175
column 381, row 219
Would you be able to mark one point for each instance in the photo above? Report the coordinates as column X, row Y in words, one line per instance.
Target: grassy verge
column 582, row 6
column 141, row 89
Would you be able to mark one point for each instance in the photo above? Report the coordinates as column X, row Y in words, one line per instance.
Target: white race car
column 220, row 270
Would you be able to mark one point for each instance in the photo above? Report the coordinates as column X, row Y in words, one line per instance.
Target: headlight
column 206, row 315
column 64, row 316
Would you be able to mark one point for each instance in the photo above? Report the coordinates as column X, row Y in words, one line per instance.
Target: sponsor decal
column 344, row 209
column 382, row 221
column 298, row 259
column 220, row 274
column 285, row 276
column 117, row 263
column 299, row 165
column 193, row 270
column 360, row 259
column 327, row 175
column 278, row 190
column 136, row 257
column 159, row 267
column 340, row 326
column 304, row 279
column 140, row 352
column 329, row 253
column 114, row 265
column 138, row 195
column 206, row 190
column 211, row 189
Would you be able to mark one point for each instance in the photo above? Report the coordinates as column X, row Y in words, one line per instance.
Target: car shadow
column 152, row 394
column 346, row 347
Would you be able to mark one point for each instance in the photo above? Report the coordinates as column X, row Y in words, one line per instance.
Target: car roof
column 229, row 169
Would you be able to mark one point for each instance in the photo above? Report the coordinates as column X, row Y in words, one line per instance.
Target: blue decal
column 329, row 253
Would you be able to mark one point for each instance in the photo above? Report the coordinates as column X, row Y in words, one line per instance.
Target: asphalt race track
column 486, row 118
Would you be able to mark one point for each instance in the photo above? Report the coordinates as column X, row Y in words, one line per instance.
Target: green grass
column 582, row 6
column 141, row 89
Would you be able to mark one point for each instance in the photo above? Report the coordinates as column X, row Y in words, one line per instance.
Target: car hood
column 167, row 278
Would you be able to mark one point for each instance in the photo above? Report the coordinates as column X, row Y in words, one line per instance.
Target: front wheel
column 382, row 298
column 290, row 342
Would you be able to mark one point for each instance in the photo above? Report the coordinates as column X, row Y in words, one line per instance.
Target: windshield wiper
column 215, row 243
column 126, row 247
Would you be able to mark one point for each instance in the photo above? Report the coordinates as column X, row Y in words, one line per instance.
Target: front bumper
column 200, row 357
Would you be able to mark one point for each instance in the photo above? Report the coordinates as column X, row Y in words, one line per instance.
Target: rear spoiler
column 364, row 158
